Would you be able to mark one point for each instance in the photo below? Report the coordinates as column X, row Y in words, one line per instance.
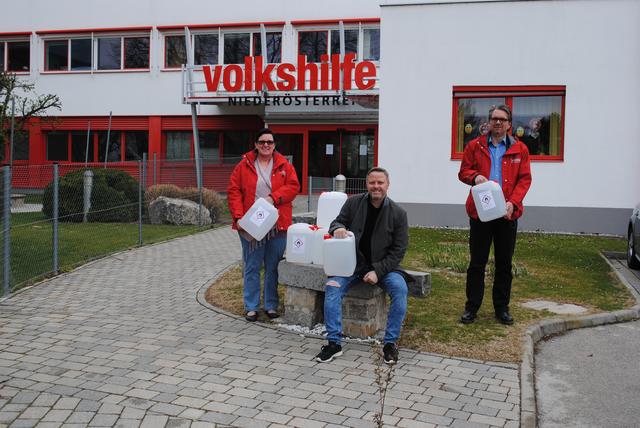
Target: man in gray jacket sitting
column 381, row 232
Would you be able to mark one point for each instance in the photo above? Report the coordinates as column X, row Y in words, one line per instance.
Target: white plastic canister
column 300, row 243
column 489, row 200
column 260, row 219
column 317, row 253
column 329, row 206
column 340, row 256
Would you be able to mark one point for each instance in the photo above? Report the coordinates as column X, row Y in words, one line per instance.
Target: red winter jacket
column 241, row 193
column 516, row 172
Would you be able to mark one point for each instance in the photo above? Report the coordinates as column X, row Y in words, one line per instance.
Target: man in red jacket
column 499, row 157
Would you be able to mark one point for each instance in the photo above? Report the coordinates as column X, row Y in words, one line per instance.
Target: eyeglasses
column 267, row 142
column 499, row 119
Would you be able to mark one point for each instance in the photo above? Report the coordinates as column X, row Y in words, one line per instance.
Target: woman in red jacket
column 262, row 173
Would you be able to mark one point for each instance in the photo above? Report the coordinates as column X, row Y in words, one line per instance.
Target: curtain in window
column 178, row 145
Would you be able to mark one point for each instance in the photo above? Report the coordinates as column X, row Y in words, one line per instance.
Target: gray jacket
column 390, row 236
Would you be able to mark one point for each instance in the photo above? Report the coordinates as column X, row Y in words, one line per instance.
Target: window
column 350, row 41
column 114, row 150
column 17, row 56
column 213, row 46
column 178, row 145
column 136, row 52
column 112, row 53
column 81, row 54
column 57, row 146
column 205, row 49
column 175, row 52
column 81, row 149
column 313, row 44
column 371, row 44
column 209, row 146
column 109, row 53
column 21, row 145
column 56, row 52
column 136, row 144
column 236, row 47
column 274, row 46
column 235, row 144
column 123, row 53
column 1, row 56
column 537, row 117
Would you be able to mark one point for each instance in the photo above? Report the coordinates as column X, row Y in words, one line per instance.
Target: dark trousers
column 503, row 234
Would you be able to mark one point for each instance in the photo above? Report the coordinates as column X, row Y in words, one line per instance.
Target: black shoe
column 251, row 318
column 504, row 318
column 329, row 352
column 273, row 314
column 468, row 317
column 390, row 351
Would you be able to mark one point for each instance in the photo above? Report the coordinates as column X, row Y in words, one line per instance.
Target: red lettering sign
column 302, row 76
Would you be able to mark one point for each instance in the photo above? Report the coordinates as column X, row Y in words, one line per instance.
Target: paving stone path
column 124, row 342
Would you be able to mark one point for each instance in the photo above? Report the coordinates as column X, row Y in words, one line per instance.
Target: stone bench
column 17, row 200
column 364, row 308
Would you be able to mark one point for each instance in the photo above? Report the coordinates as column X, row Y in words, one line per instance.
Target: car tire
column 632, row 257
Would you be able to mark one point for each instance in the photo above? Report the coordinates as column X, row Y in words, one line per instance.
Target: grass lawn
column 31, row 243
column 560, row 268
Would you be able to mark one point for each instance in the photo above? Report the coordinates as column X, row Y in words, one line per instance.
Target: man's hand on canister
column 480, row 179
column 371, row 277
column 340, row 233
column 509, row 211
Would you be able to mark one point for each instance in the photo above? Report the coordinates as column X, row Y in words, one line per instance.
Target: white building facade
column 568, row 68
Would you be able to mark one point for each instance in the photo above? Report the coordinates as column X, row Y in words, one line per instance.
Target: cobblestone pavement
column 124, row 342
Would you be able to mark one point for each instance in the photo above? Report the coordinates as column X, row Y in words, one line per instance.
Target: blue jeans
column 392, row 283
column 270, row 253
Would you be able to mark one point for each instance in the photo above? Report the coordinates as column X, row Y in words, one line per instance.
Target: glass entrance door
column 358, row 150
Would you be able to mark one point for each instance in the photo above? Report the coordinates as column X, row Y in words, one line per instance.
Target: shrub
column 210, row 198
column 114, row 197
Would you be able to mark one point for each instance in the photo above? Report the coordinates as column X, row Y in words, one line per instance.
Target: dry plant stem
column 384, row 376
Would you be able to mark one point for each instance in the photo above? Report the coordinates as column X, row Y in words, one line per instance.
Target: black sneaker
column 329, row 352
column 390, row 351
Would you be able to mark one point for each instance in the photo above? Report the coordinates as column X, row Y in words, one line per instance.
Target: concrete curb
column 555, row 326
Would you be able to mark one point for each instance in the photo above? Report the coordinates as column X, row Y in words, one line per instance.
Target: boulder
column 163, row 210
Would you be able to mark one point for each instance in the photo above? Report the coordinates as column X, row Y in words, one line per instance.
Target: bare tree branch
column 28, row 104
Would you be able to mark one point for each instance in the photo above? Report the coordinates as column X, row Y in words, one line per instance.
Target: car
column 633, row 239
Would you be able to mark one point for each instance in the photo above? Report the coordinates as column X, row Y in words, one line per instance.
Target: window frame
column 221, row 31
column 508, row 92
column 94, row 141
column 95, row 37
column 331, row 26
column 5, row 42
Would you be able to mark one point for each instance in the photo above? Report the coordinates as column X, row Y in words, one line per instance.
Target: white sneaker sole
column 337, row 354
column 390, row 362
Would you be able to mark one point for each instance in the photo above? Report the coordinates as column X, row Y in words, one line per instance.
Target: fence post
column 309, row 192
column 154, row 169
column 56, row 266
column 200, row 194
column 140, row 185
column 6, row 225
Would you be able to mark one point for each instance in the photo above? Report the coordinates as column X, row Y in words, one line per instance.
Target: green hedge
column 114, row 197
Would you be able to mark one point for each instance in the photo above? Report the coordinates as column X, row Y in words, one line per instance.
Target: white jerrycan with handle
column 260, row 219
column 329, row 206
column 300, row 243
column 339, row 255
column 489, row 200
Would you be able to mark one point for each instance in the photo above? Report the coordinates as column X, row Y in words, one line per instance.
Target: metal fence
column 317, row 185
column 50, row 223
